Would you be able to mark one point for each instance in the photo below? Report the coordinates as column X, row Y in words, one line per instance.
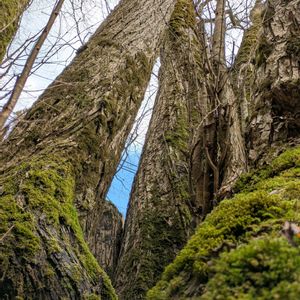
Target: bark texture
column 160, row 213
column 244, row 67
column 276, row 106
column 107, row 240
column 239, row 251
column 10, row 12
column 59, row 159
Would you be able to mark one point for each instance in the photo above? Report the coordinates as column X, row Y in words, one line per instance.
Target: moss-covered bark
column 72, row 139
column 239, row 252
column 10, row 12
column 161, row 211
column 44, row 255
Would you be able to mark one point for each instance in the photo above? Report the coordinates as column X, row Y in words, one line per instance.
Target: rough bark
column 227, row 152
column 10, row 12
column 242, row 237
column 218, row 41
column 244, row 69
column 239, row 251
column 218, row 156
column 107, row 240
column 160, row 213
column 276, row 110
column 60, row 158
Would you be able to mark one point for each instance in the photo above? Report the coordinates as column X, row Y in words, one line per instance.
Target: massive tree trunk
column 275, row 118
column 161, row 210
column 240, row 251
column 244, row 69
column 10, row 12
column 60, row 158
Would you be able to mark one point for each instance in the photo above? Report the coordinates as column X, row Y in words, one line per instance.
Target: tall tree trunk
column 218, row 42
column 241, row 231
column 160, row 213
column 107, row 239
column 10, row 12
column 275, row 118
column 59, row 159
column 244, row 69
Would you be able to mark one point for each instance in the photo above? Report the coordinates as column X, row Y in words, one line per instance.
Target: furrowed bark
column 161, row 211
column 275, row 120
column 107, row 238
column 244, row 69
column 199, row 271
column 59, row 159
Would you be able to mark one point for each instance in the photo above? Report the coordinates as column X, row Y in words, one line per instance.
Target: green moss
column 163, row 235
column 266, row 199
column 182, row 17
column 49, row 272
column 288, row 163
column 22, row 224
column 249, row 43
column 92, row 297
column 43, row 189
column 178, row 136
column 266, row 268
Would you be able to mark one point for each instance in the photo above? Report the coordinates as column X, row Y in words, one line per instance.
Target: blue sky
column 120, row 188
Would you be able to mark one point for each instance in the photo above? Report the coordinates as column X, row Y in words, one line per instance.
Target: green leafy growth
column 266, row 268
column 266, row 199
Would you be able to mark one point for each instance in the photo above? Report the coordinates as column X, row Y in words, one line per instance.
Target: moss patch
column 266, row 268
column 183, row 17
column 41, row 192
column 263, row 51
column 265, row 201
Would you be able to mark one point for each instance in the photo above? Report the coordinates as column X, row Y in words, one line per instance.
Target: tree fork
column 72, row 136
